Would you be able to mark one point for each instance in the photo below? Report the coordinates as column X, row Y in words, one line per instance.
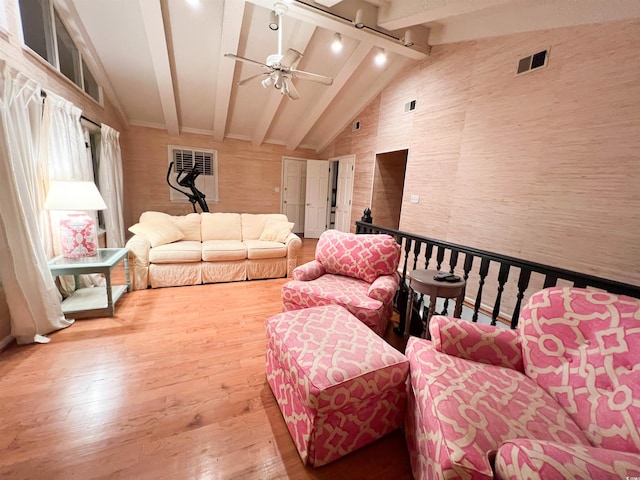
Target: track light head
column 357, row 22
column 273, row 20
column 408, row 39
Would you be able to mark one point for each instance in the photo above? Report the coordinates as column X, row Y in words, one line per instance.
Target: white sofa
column 168, row 251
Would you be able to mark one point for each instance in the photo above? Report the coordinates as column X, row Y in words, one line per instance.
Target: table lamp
column 78, row 236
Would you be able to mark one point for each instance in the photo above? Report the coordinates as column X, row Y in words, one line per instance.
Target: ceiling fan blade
column 248, row 60
column 248, row 79
column 291, row 57
column 314, row 77
column 293, row 93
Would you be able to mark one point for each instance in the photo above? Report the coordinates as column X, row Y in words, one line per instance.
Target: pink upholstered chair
column 557, row 398
column 357, row 272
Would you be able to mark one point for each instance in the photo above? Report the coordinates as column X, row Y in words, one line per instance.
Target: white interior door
column 317, row 188
column 294, row 174
column 344, row 192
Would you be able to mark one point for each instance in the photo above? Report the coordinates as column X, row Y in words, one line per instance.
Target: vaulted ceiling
column 162, row 63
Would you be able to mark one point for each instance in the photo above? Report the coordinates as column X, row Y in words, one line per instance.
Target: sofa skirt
column 174, row 274
column 266, row 268
column 225, row 271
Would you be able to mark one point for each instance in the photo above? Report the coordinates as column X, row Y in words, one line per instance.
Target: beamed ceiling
column 162, row 63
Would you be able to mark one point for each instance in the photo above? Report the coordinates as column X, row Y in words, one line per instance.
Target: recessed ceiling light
column 194, row 3
column 380, row 58
column 336, row 45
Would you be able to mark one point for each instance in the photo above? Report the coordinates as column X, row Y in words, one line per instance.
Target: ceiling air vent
column 355, row 126
column 410, row 106
column 533, row 62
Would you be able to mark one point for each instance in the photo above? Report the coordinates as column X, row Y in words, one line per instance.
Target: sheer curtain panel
column 110, row 178
column 63, row 156
column 32, row 296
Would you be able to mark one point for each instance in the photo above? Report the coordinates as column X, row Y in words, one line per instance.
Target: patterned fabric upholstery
column 579, row 389
column 358, row 256
column 477, row 342
column 460, row 411
column 338, row 385
column 583, row 347
column 524, row 459
column 357, row 272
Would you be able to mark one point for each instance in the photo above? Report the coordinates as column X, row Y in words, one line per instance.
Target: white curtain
column 110, row 179
column 32, row 296
column 63, row 156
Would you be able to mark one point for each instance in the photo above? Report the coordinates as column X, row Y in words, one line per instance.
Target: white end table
column 93, row 301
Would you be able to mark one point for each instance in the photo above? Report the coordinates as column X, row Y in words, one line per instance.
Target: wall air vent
column 187, row 159
column 533, row 62
column 410, row 106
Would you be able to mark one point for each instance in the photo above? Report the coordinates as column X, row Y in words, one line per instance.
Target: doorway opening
column 388, row 187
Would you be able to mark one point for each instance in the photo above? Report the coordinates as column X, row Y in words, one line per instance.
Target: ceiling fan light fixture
column 380, row 58
column 284, row 90
column 266, row 83
column 273, row 20
column 336, row 45
column 357, row 22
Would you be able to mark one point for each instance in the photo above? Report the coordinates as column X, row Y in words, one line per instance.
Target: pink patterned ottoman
column 338, row 385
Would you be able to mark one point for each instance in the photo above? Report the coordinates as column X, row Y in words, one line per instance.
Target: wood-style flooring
column 172, row 387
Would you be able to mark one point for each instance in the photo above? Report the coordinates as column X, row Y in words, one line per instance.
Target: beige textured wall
column 247, row 175
column 543, row 166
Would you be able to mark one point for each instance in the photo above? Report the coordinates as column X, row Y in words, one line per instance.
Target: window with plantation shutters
column 187, row 159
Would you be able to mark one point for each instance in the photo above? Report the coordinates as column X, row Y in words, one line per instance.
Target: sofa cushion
column 581, row 346
column 188, row 224
column 259, row 249
column 276, row 230
column 183, row 251
column 253, row 224
column 221, row 226
column 157, row 231
column 358, row 256
column 223, row 250
column 330, row 289
column 468, row 409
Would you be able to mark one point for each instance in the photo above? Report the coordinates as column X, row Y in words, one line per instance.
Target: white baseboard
column 4, row 343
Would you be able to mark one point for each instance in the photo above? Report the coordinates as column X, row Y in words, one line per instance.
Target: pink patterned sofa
column 357, row 272
column 557, row 398
column 338, row 385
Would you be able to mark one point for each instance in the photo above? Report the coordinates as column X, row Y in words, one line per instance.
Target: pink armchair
column 557, row 398
column 358, row 272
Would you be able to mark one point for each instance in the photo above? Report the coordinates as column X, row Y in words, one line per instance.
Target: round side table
column 422, row 281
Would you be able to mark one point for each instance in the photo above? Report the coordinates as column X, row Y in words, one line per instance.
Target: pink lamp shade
column 78, row 236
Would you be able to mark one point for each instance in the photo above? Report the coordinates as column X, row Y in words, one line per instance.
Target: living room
column 541, row 166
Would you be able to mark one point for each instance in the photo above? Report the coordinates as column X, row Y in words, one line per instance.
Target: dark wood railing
column 418, row 252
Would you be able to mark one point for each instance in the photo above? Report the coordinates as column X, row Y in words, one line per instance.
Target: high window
column 46, row 34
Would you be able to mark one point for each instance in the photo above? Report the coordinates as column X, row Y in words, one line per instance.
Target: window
column 46, row 34
column 186, row 159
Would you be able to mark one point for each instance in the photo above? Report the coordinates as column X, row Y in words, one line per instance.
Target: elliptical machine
column 187, row 179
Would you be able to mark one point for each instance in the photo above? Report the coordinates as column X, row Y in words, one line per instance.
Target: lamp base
column 78, row 236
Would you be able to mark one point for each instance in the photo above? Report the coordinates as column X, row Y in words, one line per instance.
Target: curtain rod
column 43, row 94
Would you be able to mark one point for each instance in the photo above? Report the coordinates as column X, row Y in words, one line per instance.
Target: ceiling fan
column 279, row 71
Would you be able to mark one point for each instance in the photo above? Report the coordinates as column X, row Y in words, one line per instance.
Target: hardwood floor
column 171, row 387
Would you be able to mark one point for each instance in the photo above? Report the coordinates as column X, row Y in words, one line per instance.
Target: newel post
column 366, row 218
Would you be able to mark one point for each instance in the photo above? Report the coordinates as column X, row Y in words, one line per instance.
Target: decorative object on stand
column 78, row 235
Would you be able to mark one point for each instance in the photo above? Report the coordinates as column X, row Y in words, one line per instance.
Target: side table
column 422, row 281
column 94, row 301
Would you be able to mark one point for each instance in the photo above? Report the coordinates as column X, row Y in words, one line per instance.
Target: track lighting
column 408, row 39
column 380, row 58
column 357, row 22
column 273, row 20
column 336, row 46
